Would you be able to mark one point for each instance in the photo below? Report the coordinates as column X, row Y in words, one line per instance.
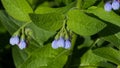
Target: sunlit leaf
column 18, row 9
column 83, row 24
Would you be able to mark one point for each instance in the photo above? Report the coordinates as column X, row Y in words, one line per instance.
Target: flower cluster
column 115, row 5
column 61, row 42
column 62, row 39
column 15, row 40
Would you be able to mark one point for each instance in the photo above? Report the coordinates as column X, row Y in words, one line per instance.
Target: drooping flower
column 67, row 44
column 61, row 42
column 108, row 7
column 115, row 5
column 22, row 44
column 54, row 44
column 14, row 40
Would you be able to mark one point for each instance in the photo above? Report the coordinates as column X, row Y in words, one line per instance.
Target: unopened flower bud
column 54, row 44
column 14, row 40
column 22, row 44
column 67, row 44
column 108, row 7
column 115, row 5
column 61, row 42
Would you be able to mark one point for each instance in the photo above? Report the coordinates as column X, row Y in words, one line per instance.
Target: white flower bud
column 14, row 40
column 22, row 44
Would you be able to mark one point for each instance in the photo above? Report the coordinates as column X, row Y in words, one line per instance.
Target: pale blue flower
column 61, row 42
column 108, row 7
column 67, row 44
column 14, row 40
column 115, row 5
column 22, row 44
column 54, row 44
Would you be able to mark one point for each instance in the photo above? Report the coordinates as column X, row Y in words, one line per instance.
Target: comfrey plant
column 115, row 5
column 62, row 39
column 15, row 40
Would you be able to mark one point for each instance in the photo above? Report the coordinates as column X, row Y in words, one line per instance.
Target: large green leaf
column 18, row 9
column 83, row 24
column 90, row 60
column 46, row 57
column 106, row 16
column 108, row 53
column 50, row 22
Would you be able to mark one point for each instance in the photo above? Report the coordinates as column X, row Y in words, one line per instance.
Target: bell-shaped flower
column 61, row 42
column 54, row 44
column 108, row 7
column 14, row 40
column 22, row 44
column 115, row 5
column 67, row 44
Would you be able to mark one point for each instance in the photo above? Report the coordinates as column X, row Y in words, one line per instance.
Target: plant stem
column 79, row 4
column 97, row 40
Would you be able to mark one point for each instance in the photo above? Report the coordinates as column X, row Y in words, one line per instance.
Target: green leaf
column 46, row 57
column 108, row 53
column 106, row 16
column 44, row 10
column 88, row 3
column 18, row 9
column 10, row 25
column 50, row 22
column 91, row 60
column 83, row 24
column 19, row 56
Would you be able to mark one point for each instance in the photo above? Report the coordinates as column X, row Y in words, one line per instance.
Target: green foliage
column 83, row 24
column 46, row 57
column 18, row 9
column 93, row 33
column 19, row 55
column 54, row 20
column 106, row 16
column 109, row 53
column 7, row 22
column 90, row 59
